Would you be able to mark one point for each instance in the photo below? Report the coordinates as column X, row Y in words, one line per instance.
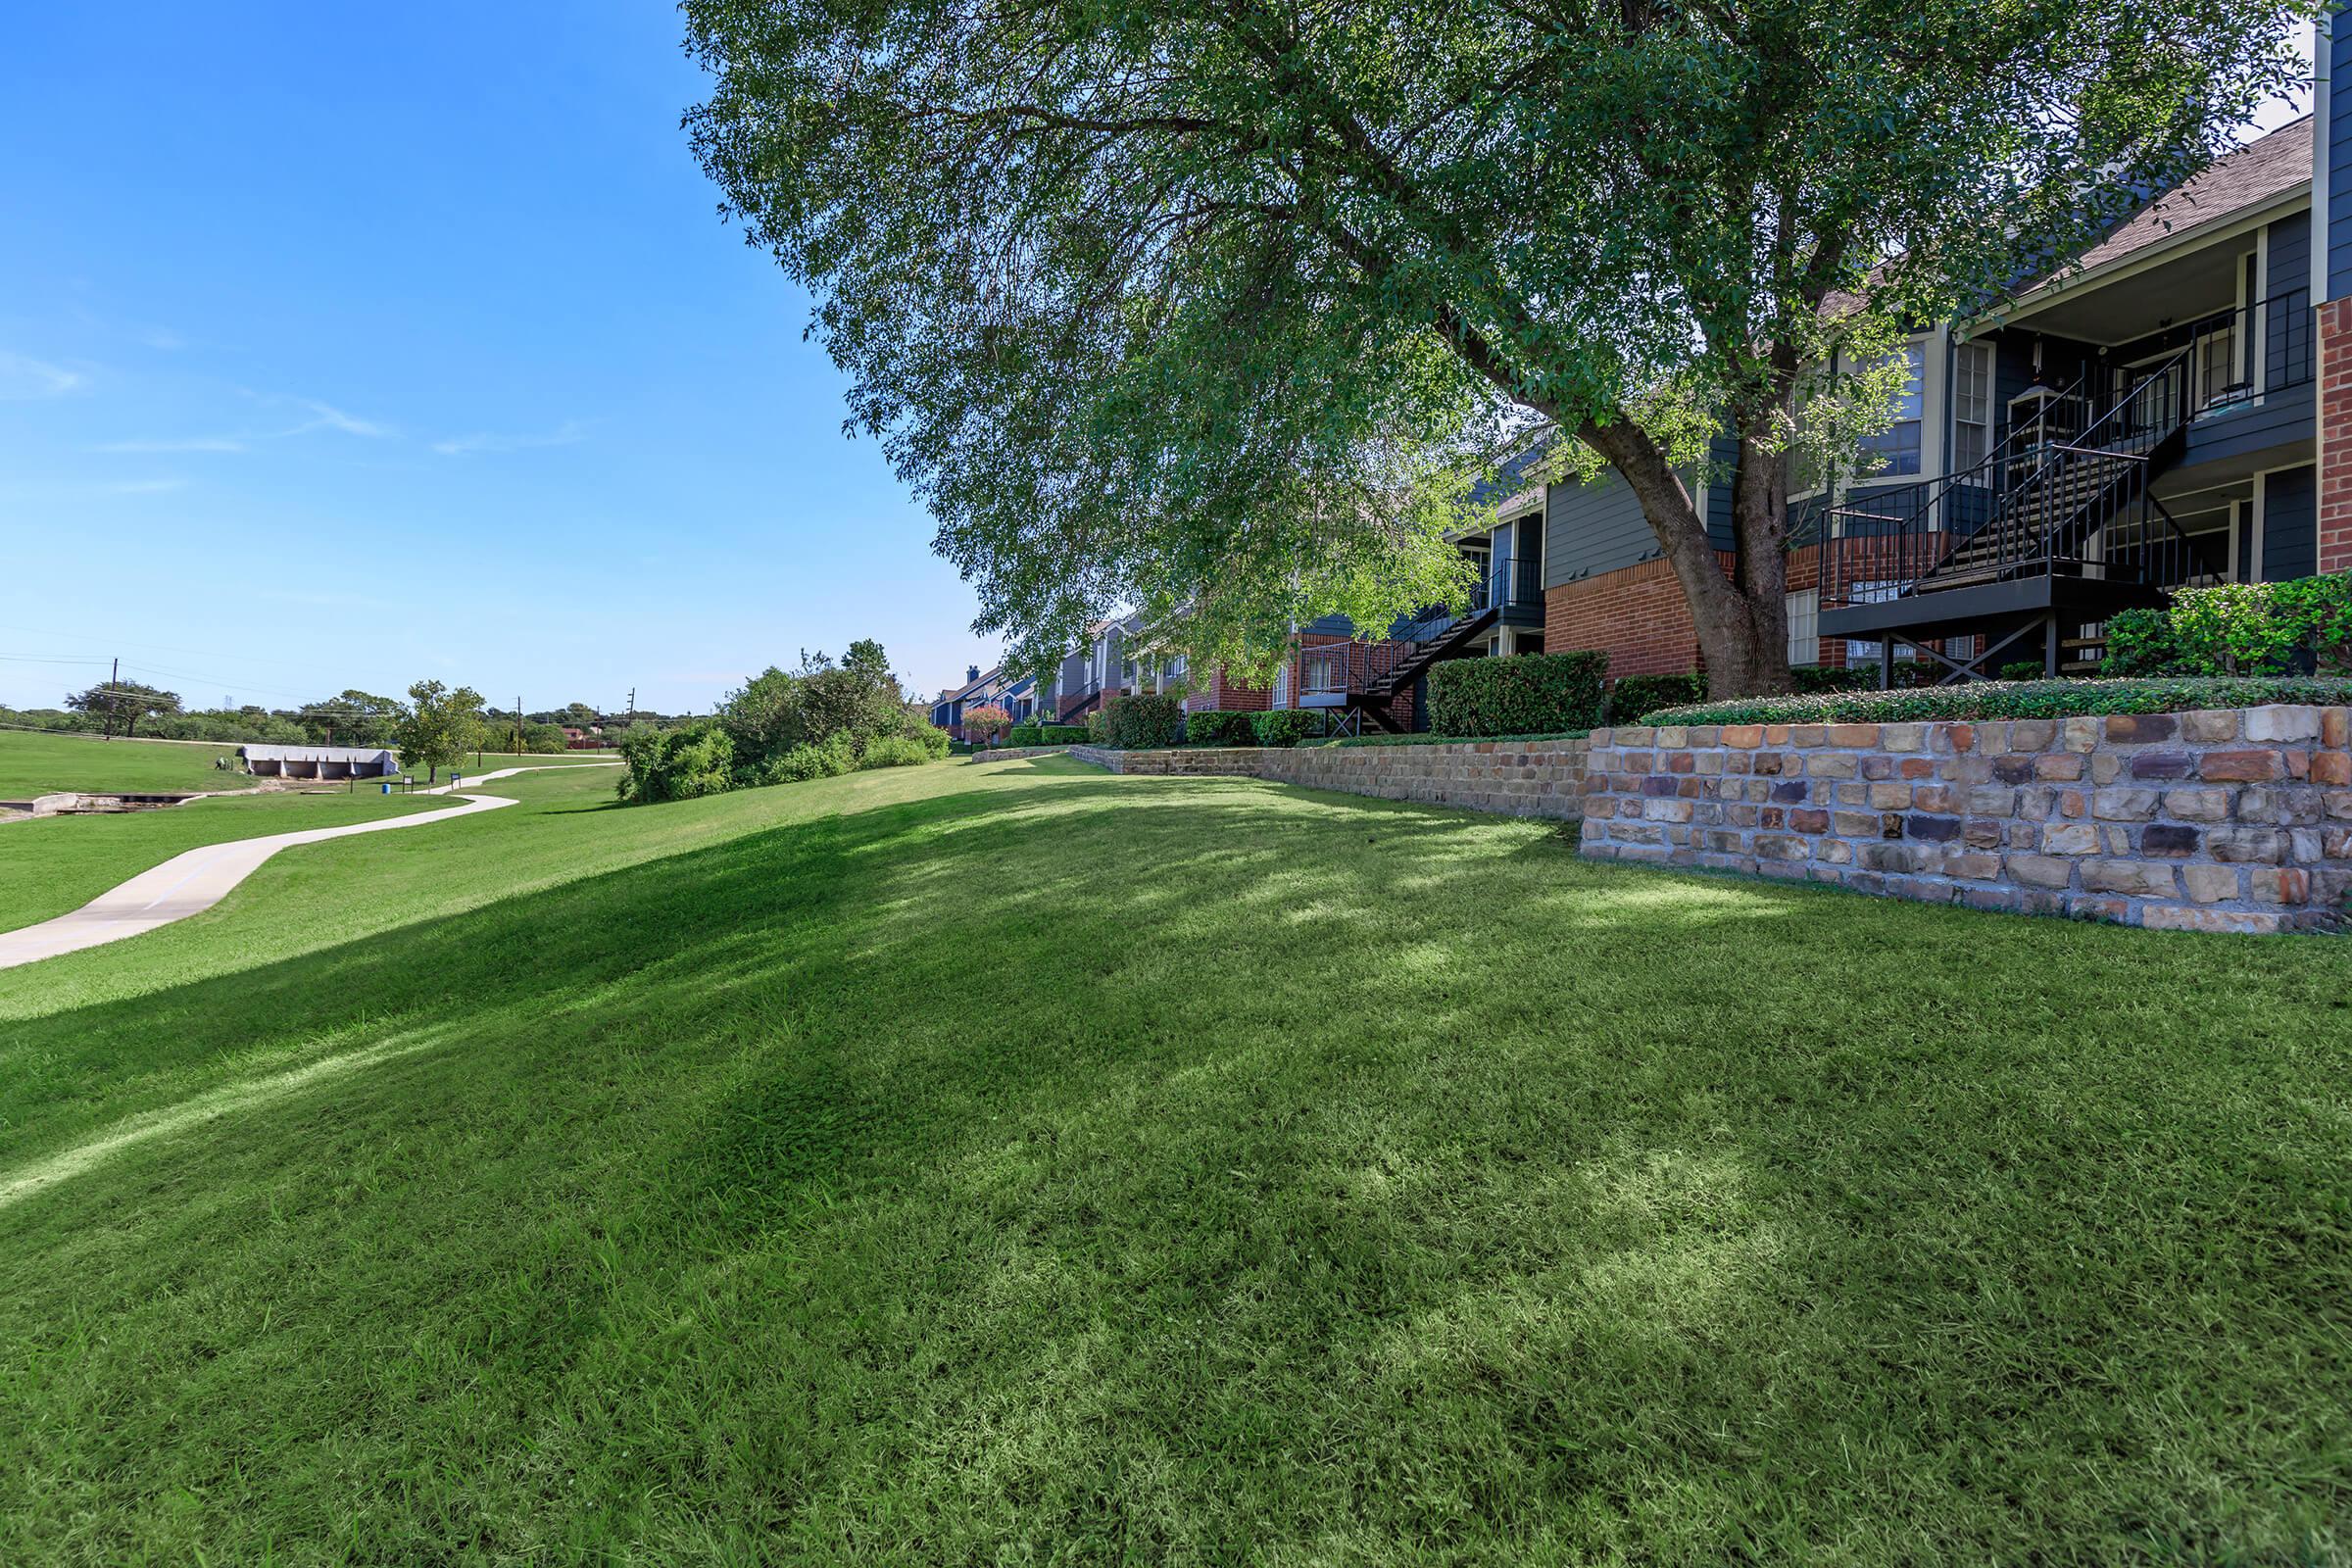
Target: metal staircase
column 2053, row 531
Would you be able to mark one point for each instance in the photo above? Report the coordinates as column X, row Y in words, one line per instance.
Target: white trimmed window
column 1805, row 628
column 1972, row 407
column 1898, row 443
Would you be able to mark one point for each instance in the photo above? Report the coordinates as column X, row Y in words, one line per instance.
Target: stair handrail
column 1907, row 560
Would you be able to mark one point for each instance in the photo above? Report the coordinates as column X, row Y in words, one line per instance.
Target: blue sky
column 346, row 346
column 349, row 346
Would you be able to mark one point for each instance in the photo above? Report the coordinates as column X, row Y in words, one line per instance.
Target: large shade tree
column 1224, row 304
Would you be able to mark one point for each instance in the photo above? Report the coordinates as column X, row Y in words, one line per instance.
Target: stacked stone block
column 2217, row 822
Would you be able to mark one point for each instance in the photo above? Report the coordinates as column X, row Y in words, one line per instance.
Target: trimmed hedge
column 2023, row 699
column 1144, row 721
column 1521, row 695
column 1220, row 726
column 1024, row 735
column 1287, row 726
column 1452, row 740
column 1062, row 734
column 1630, row 695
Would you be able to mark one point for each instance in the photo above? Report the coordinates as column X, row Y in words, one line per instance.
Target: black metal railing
column 1508, row 582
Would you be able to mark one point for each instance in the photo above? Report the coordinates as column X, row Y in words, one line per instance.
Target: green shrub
column 1450, row 740
column 1146, row 720
column 1630, row 695
column 1220, row 726
column 829, row 757
column 932, row 740
column 1063, row 735
column 677, row 764
column 1287, row 726
column 1516, row 696
column 1024, row 735
column 2026, row 699
column 2238, row 628
column 2023, row 669
column 895, row 751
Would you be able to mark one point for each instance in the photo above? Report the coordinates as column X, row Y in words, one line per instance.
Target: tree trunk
column 1740, row 617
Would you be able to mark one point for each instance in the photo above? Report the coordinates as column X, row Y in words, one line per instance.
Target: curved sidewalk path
column 194, row 880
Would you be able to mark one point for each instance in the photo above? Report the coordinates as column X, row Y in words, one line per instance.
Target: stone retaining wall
column 1008, row 753
column 2216, row 821
column 1509, row 778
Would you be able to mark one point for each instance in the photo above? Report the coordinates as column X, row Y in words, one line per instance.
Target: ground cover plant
column 2023, row 699
column 611, row 1185
column 57, row 863
column 1450, row 740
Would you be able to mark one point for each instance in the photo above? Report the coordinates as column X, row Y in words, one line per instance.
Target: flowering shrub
column 984, row 723
column 1999, row 699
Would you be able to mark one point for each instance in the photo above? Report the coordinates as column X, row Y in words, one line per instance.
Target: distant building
column 319, row 762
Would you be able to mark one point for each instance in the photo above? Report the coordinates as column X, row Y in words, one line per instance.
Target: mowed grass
column 32, row 764
column 53, row 865
column 1016, row 1163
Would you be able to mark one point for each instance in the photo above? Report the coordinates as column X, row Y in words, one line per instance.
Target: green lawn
column 1017, row 1163
column 55, row 863
column 33, row 765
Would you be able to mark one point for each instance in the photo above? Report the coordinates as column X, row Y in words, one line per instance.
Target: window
column 1282, row 685
column 1858, row 651
column 1972, row 407
column 1898, row 443
column 2217, row 365
column 1805, row 628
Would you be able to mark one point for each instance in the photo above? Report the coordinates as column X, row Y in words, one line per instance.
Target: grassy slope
column 53, row 865
column 33, row 765
column 1363, row 1183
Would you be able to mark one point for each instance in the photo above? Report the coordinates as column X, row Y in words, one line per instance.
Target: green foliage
column 2023, row 669
column 1025, row 735
column 1630, row 695
column 778, row 712
column 898, row 750
column 1452, row 740
column 675, row 765
column 122, row 704
column 2238, row 628
column 2031, row 698
column 1220, row 726
column 1287, row 726
column 829, row 757
column 352, row 718
column 544, row 739
column 1146, row 719
column 1232, row 304
column 440, row 726
column 1063, row 735
column 1524, row 695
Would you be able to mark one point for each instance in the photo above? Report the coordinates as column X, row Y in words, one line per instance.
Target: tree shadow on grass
column 1164, row 1169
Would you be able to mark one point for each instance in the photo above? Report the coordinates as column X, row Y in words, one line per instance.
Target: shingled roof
column 2263, row 169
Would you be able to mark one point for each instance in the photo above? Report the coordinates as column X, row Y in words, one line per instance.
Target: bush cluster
column 1143, row 721
column 1287, row 726
column 1063, row 734
column 781, row 728
column 1024, row 735
column 1220, row 726
column 675, row 765
column 2238, row 628
column 1521, row 695
column 1631, row 696
column 1452, row 740
column 2023, row 698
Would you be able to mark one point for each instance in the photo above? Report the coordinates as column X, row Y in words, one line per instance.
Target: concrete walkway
column 195, row 880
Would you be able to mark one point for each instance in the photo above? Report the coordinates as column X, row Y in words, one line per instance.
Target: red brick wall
column 2336, row 435
column 1638, row 616
column 1218, row 694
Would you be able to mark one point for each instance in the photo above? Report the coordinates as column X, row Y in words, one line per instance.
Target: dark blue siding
column 2280, row 418
column 2336, row 117
column 2289, row 535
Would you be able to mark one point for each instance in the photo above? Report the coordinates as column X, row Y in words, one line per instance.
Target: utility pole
column 113, row 695
column 519, row 723
column 631, row 715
